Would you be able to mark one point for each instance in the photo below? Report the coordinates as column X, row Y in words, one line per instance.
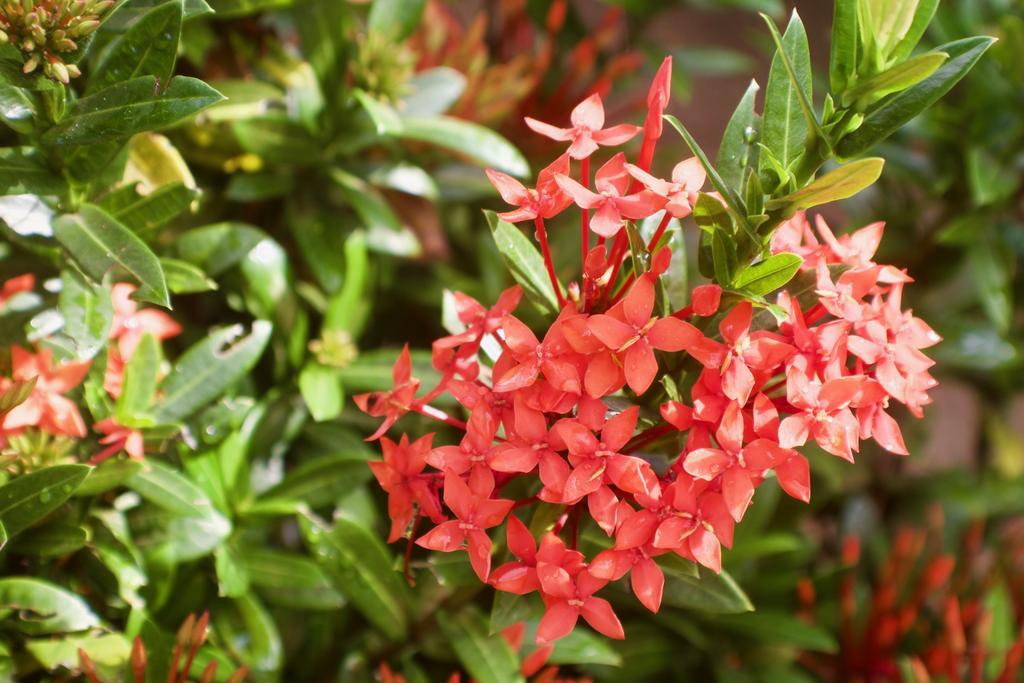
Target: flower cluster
column 659, row 467
column 47, row 31
column 46, row 407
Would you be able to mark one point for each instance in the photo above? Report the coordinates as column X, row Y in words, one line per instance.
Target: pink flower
column 131, row 322
column 544, row 202
column 587, row 131
column 611, row 204
column 46, row 407
column 118, row 437
column 688, row 178
column 395, row 403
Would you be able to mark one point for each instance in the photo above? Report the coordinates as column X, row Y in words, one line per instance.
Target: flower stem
column 545, row 250
column 659, row 232
column 433, row 412
column 584, row 222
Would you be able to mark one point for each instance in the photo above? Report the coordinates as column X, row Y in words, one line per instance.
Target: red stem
column 659, row 232
column 545, row 250
column 616, row 258
column 408, row 552
column 584, row 222
column 436, row 414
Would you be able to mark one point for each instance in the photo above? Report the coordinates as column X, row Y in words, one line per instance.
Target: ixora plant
column 633, row 431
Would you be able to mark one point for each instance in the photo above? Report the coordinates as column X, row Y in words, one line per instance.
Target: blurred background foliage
column 337, row 192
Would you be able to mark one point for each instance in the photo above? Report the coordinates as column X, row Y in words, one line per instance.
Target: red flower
column 568, row 592
column 611, row 204
column 475, row 512
column 544, row 202
column 46, row 407
column 693, row 522
column 400, row 474
column 393, row 404
column 519, row 577
column 632, row 334
column 657, row 100
column 473, row 453
column 16, row 285
column 587, row 130
column 118, row 437
column 533, row 357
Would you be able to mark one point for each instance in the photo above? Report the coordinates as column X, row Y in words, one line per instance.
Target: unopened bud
column 30, row 65
column 185, row 632
column 86, row 27
column 138, row 660
column 73, row 70
column 60, row 72
column 4, row 38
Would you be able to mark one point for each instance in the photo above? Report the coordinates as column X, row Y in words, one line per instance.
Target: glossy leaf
column 840, row 183
column 890, row 114
column 779, row 628
column 45, row 608
column 784, row 128
column 140, row 380
column 709, row 592
column 845, row 45
column 87, row 311
column 99, row 243
column 734, row 154
column 524, row 262
column 250, row 633
column 488, row 658
column 209, row 368
column 583, row 646
column 131, row 107
column 768, row 275
column 360, row 566
column 148, row 48
column 321, row 389
column 218, row 247
column 395, row 18
column 184, row 278
column 319, row 482
column 150, row 212
column 31, row 497
column 290, row 579
column 899, row 77
column 467, row 139
column 23, row 171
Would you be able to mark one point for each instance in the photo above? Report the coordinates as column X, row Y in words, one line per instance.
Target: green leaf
column 218, row 247
column 734, row 154
column 110, row 650
column 17, row 109
column 148, row 213
column 321, row 389
column 30, row 497
column 277, row 139
column 250, row 633
column 785, row 128
column 131, row 107
column 88, row 313
column 432, row 92
column 779, row 628
column 395, row 18
column 992, row 268
column 184, row 278
column 98, row 243
column 768, row 275
column 890, row 114
column 51, row 540
column 140, row 379
column 709, row 592
column 227, row 9
column 891, row 20
column 508, row 609
column 44, row 608
column 209, row 368
column 728, row 192
column 347, row 309
column 171, row 491
column 16, row 394
column 723, row 253
column 383, row 226
column 840, row 183
column 290, row 579
column 845, row 47
column 232, row 578
column 385, row 119
column 899, row 77
column 23, row 170
column 922, row 18
column 106, row 476
column 583, row 646
column 487, row 658
column 524, row 262
column 360, row 566
column 316, row 483
column 470, row 140
column 148, row 48
column 325, row 27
